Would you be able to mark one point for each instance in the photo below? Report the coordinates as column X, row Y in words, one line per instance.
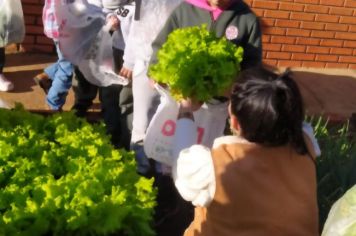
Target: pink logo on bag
column 168, row 128
column 231, row 32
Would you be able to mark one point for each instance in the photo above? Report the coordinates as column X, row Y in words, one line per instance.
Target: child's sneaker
column 5, row 85
column 43, row 81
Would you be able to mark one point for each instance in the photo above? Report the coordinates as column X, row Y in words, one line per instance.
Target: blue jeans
column 61, row 75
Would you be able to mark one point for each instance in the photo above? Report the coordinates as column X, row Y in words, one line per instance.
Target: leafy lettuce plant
column 336, row 165
column 194, row 63
column 59, row 175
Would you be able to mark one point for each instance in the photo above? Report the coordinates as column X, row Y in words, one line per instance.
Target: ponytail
column 269, row 109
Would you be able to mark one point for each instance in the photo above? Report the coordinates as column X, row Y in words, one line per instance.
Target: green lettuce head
column 194, row 63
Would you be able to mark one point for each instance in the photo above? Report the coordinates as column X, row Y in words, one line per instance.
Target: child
column 262, row 179
column 12, row 30
column 56, row 79
column 233, row 19
column 116, row 100
column 5, row 84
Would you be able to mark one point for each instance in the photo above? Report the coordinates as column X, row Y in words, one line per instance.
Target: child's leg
column 84, row 93
column 109, row 98
column 125, row 103
column 62, row 73
column 126, row 106
column 5, row 85
column 2, row 59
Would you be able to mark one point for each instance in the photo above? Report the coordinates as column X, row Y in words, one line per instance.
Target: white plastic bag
column 341, row 220
column 97, row 65
column 210, row 120
column 12, row 26
column 84, row 40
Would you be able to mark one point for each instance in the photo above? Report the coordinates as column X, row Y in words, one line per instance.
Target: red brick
column 307, row 1
column 282, row 39
column 302, row 16
column 303, row 56
column 341, row 51
column 265, row 4
column 249, row 2
column 266, row 38
column 31, row 29
column 287, row 23
column 29, row 20
column 344, row 35
column 276, row 14
column 350, row 3
column 337, row 65
column 349, row 44
column 259, row 12
column 327, row 18
column 336, row 27
column 331, row 43
column 39, row 21
column 291, row 6
column 272, row 47
column 298, row 32
column 289, row 63
column 278, row 55
column 313, row 64
column 332, row 2
column 293, row 48
column 347, row 20
column 38, row 48
column 341, row 11
column 274, row 31
column 318, row 50
column 44, row 40
column 323, row 34
column 308, row 41
column 32, row 9
column 316, row 9
column 267, row 22
column 352, row 66
column 29, row 39
column 312, row 25
column 326, row 58
column 352, row 28
column 30, row 1
column 347, row 59
column 270, row 62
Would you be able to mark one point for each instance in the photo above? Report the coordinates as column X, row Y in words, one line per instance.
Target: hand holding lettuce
column 194, row 63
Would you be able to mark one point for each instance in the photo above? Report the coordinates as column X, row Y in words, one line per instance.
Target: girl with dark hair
column 262, row 179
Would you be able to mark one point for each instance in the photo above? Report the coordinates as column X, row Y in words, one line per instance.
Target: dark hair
column 269, row 109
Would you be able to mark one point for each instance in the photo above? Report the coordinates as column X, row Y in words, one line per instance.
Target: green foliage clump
column 194, row 63
column 336, row 166
column 59, row 175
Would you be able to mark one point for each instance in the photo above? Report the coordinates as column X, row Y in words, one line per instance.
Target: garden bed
column 61, row 176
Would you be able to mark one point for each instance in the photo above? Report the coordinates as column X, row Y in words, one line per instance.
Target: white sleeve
column 193, row 175
column 193, row 169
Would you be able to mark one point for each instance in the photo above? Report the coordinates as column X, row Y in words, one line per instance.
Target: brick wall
column 308, row 33
column 297, row 33
column 35, row 40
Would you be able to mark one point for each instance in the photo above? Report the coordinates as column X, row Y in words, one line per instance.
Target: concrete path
column 330, row 92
